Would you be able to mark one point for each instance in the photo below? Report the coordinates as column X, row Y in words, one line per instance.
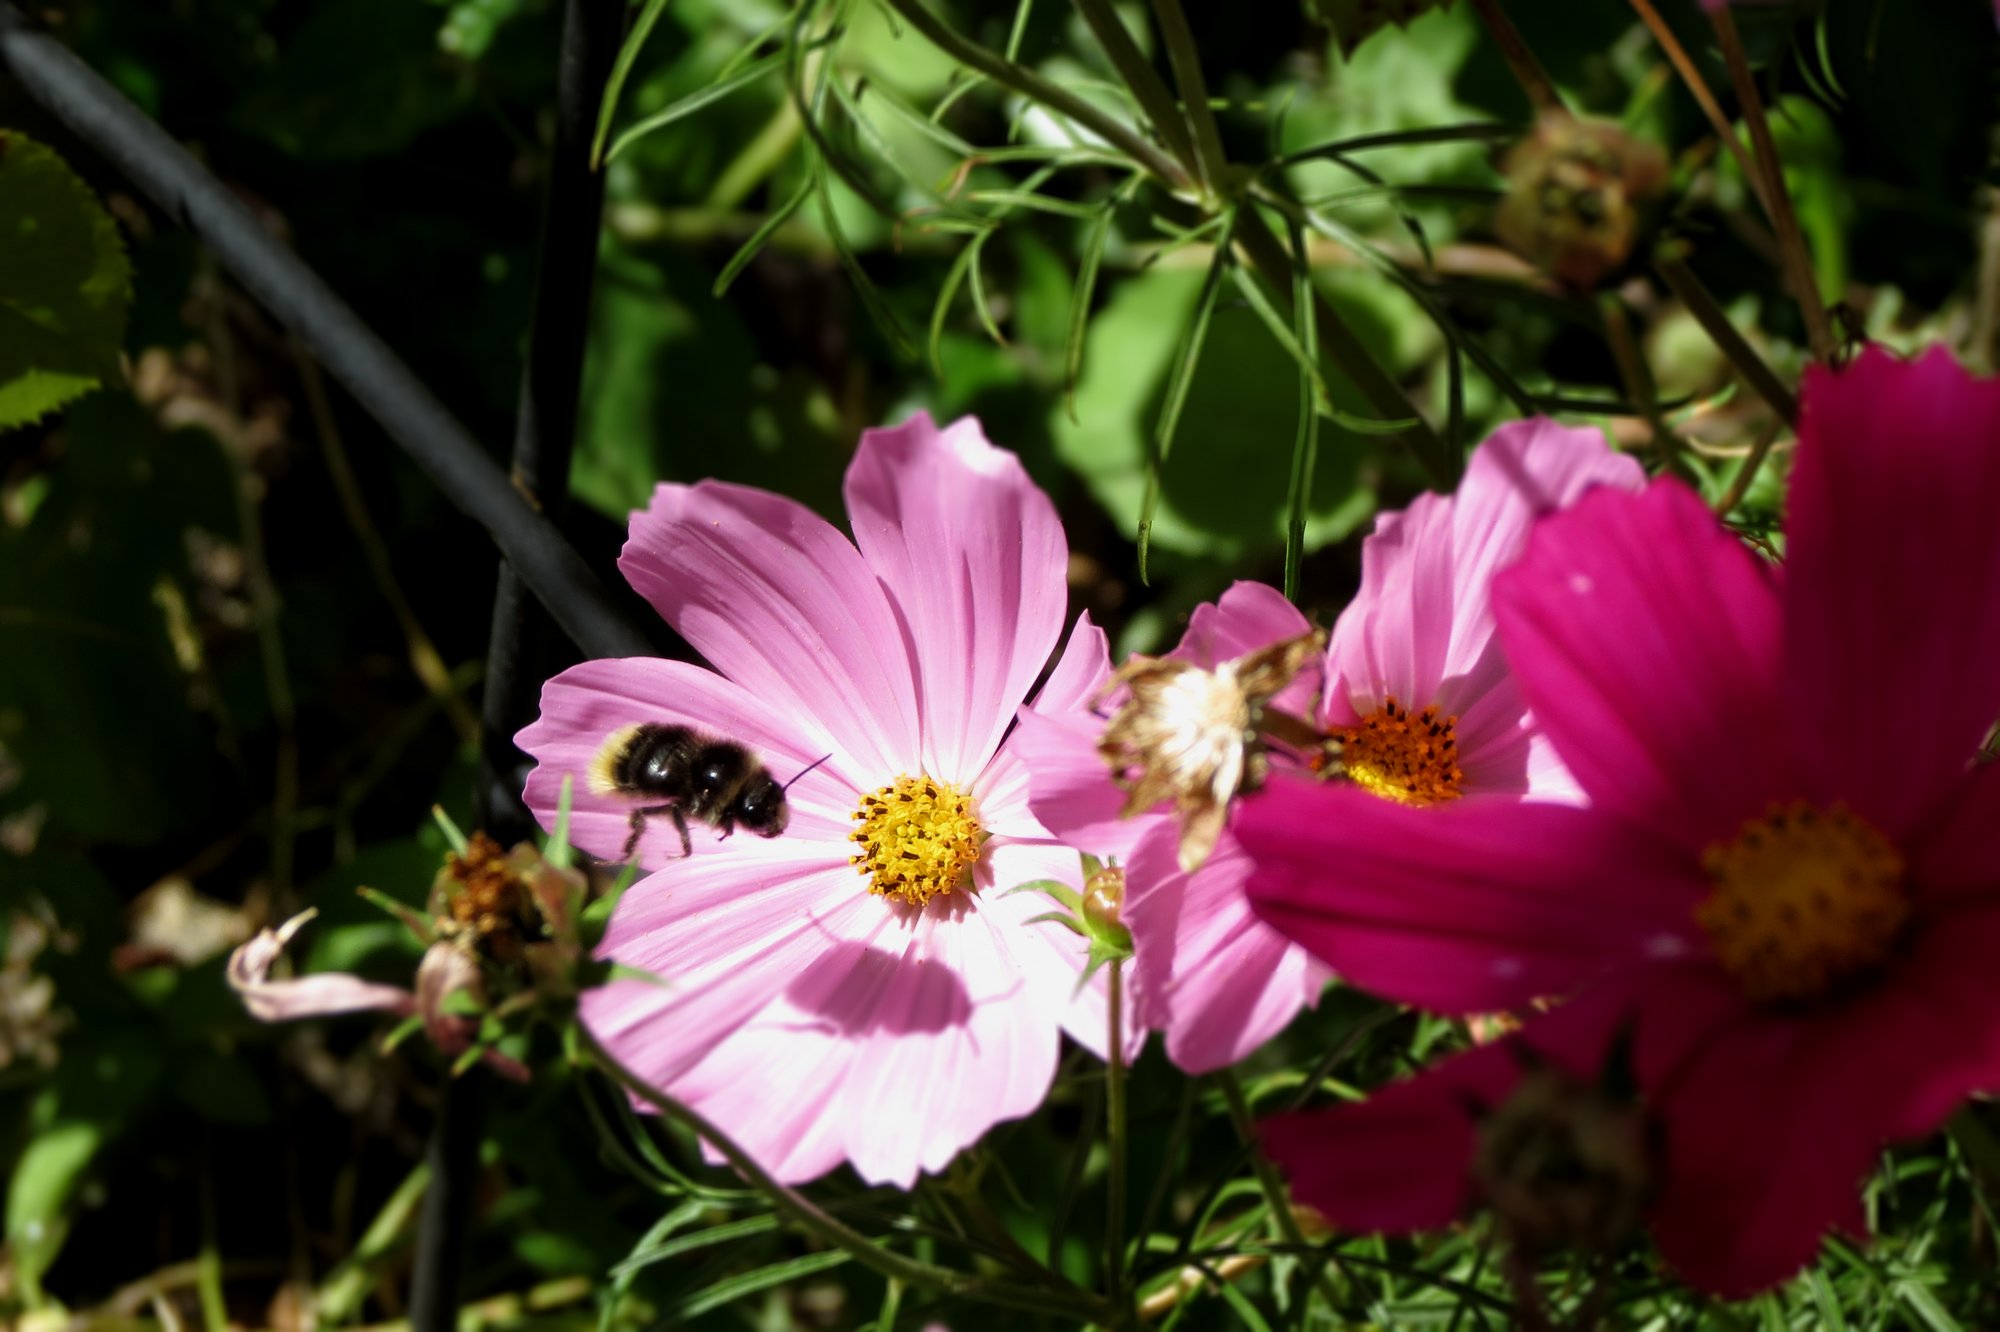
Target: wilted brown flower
column 1195, row 736
column 500, row 926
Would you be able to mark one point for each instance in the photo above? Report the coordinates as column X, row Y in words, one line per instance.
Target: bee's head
column 761, row 806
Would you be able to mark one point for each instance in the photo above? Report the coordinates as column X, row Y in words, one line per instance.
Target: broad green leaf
column 1355, row 21
column 1223, row 485
column 65, row 284
column 45, row 1176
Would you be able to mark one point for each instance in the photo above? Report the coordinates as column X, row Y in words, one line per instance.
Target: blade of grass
column 1186, row 358
column 1081, row 296
column 683, row 107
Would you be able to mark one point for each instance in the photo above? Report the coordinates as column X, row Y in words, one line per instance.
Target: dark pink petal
column 1892, row 601
column 1475, row 906
column 1773, row 1117
column 1930, row 1033
column 780, row 602
column 1955, row 858
column 588, row 704
column 1766, row 1145
column 1205, row 970
column 1403, row 1160
column 1398, row 1162
column 1647, row 642
column 973, row 557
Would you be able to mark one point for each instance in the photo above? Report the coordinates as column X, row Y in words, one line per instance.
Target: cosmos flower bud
column 1565, row 1164
column 1104, row 896
column 1578, row 195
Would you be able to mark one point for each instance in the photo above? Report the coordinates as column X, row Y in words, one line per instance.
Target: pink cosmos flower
column 1785, row 891
column 862, row 987
column 1415, row 687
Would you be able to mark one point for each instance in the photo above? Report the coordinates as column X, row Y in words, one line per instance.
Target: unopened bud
column 1104, row 896
column 1565, row 1164
column 1578, row 194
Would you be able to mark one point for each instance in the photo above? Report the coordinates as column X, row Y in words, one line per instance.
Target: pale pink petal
column 1523, row 471
column 973, row 557
column 909, row 1038
column 587, row 704
column 1054, row 955
column 1071, row 791
column 323, row 995
column 719, row 937
column 1647, row 642
column 1216, row 979
column 1079, row 673
column 1421, row 627
column 1892, row 600
column 1475, row 906
column 1392, row 638
column 1248, row 616
column 780, row 602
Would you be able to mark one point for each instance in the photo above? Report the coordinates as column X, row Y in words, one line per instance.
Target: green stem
column 1527, row 70
column 1777, row 198
column 1150, row 90
column 1632, row 371
column 1715, row 322
column 1050, row 94
column 1267, row 254
column 1114, row 1138
column 1185, row 56
column 1282, row 1216
column 1074, row 1302
column 1753, row 462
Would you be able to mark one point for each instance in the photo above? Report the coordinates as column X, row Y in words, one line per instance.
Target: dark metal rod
column 517, row 653
column 351, row 352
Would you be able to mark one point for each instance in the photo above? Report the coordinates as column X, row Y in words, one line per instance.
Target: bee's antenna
column 808, row 768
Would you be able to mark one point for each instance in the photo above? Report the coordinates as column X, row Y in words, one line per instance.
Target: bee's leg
column 639, row 817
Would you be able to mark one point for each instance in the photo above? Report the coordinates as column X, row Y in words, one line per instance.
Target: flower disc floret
column 919, row 839
column 1408, row 757
column 1804, row 899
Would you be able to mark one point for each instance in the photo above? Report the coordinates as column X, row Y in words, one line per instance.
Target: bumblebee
column 684, row 775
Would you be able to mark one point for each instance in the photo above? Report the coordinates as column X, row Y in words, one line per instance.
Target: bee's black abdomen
column 658, row 761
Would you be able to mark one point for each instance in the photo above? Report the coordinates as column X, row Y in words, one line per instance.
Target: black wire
column 351, row 352
column 518, row 646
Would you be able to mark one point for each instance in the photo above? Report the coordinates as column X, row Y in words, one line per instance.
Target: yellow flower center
column 1408, row 757
column 919, row 837
column 1804, row 899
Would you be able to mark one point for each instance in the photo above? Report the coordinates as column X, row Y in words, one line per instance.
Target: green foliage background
column 208, row 712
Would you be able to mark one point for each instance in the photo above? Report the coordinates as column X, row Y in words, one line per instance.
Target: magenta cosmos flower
column 1785, row 890
column 860, row 987
column 1417, row 691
